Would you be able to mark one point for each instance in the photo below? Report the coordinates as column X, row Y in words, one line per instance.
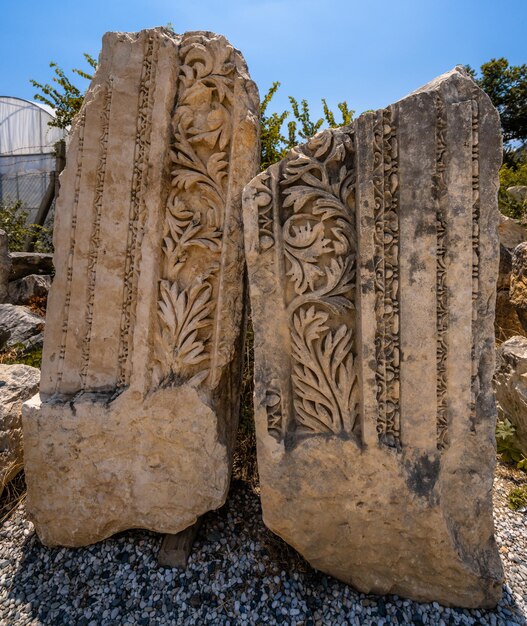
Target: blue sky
column 369, row 53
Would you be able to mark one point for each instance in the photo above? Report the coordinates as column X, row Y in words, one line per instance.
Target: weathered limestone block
column 373, row 254
column 510, row 382
column 138, row 406
column 17, row 384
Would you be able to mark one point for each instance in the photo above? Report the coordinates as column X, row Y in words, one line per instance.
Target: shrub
column 13, row 219
column 518, row 498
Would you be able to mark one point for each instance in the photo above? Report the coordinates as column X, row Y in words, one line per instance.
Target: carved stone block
column 138, row 406
column 373, row 254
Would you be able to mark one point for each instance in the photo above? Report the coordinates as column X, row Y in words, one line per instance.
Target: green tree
column 506, row 86
column 274, row 145
column 65, row 98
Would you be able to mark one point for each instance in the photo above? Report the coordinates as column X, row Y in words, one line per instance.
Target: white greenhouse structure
column 27, row 152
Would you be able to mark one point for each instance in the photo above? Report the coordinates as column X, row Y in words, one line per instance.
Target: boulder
column 26, row 263
column 21, row 291
column 518, row 193
column 19, row 325
column 511, row 232
column 18, row 383
column 137, row 415
column 372, row 254
column 510, row 382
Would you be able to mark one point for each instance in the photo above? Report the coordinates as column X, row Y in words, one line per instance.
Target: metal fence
column 28, row 188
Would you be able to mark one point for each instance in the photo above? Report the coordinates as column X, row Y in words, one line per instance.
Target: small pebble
column 238, row 573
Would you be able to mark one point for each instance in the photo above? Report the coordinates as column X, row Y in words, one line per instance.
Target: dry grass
column 9, row 357
column 502, row 333
column 245, row 467
column 12, row 494
column 38, row 305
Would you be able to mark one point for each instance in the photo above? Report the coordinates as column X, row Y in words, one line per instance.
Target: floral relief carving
column 319, row 245
column 193, row 231
column 326, row 390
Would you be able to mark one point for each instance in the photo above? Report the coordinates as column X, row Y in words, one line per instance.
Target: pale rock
column 26, row 263
column 138, row 408
column 510, row 382
column 17, row 384
column 518, row 193
column 23, row 290
column 19, row 326
column 372, row 254
column 511, row 232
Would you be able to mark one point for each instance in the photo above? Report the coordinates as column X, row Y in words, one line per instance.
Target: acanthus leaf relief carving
column 184, row 230
column 192, row 247
column 319, row 248
column 185, row 314
column 324, row 378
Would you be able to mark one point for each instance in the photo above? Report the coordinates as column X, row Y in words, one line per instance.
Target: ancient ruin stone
column 373, row 255
column 510, row 382
column 138, row 404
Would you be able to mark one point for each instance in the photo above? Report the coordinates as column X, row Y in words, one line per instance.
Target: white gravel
column 238, row 574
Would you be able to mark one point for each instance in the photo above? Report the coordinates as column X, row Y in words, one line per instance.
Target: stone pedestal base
column 96, row 467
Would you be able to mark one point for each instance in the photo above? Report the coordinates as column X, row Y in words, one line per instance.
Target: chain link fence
column 28, row 188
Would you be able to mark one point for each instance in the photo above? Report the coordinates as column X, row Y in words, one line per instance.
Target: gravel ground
column 239, row 573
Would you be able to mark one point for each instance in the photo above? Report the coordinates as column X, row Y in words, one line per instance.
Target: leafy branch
column 67, row 98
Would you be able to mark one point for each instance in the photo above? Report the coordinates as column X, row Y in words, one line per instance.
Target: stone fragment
column 510, row 382
column 511, row 232
column 25, row 263
column 23, row 290
column 17, row 384
column 18, row 325
column 373, row 255
column 138, row 406
column 518, row 286
column 5, row 267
